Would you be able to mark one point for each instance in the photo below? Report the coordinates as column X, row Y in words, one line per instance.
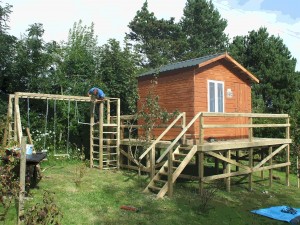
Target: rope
column 77, row 115
column 54, row 127
column 28, row 109
column 68, row 127
column 46, row 119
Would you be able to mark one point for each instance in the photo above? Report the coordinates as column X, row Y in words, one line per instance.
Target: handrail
column 160, row 136
column 250, row 115
column 178, row 137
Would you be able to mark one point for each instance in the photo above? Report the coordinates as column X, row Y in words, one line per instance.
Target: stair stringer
column 175, row 174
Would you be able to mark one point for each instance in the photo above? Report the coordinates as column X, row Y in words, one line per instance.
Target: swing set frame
column 14, row 126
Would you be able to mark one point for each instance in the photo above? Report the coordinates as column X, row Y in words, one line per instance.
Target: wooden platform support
column 22, row 180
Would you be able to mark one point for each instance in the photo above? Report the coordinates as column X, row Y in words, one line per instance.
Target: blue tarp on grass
column 277, row 213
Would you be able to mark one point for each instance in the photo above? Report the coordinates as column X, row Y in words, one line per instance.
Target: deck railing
column 250, row 125
column 151, row 148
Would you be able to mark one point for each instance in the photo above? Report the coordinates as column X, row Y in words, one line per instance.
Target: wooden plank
column 270, row 156
column 254, row 115
column 244, row 172
column 228, row 170
column 228, row 160
column 250, row 177
column 92, row 120
column 270, row 170
column 244, row 125
column 101, row 121
column 22, row 181
column 287, row 171
column 243, row 144
column 18, row 120
column 170, row 173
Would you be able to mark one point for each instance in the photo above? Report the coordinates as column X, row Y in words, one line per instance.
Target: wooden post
column 18, row 125
column 287, row 174
column 216, row 165
column 298, row 178
column 201, row 172
column 22, row 180
column 228, row 169
column 101, row 121
column 201, row 130
column 237, row 155
column 250, row 130
column 152, row 162
column 170, row 174
column 118, row 132
column 261, row 159
column 270, row 170
column 8, row 128
column 92, row 121
column 251, row 166
column 183, row 124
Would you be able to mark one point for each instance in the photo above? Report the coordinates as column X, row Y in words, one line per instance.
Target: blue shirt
column 100, row 93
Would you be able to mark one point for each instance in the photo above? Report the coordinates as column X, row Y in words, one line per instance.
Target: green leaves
column 269, row 59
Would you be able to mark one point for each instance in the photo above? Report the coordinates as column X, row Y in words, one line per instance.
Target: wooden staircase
column 179, row 160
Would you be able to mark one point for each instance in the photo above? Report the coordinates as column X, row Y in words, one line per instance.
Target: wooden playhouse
column 214, row 83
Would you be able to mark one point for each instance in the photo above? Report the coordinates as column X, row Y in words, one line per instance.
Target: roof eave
column 228, row 57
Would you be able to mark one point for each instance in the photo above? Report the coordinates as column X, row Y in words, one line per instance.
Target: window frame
column 216, row 100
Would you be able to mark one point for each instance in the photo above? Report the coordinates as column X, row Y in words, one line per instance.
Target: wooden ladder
column 105, row 141
column 181, row 158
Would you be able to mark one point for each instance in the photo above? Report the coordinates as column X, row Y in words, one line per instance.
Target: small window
column 215, row 96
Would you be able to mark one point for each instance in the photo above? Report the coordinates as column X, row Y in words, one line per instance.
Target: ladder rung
column 110, row 124
column 113, row 160
column 110, row 154
column 110, row 146
column 111, row 167
column 110, row 132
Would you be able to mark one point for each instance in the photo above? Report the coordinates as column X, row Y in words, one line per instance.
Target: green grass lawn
column 100, row 194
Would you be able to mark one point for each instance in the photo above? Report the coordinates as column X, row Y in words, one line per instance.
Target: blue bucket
column 29, row 149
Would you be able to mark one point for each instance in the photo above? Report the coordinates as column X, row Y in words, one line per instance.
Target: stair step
column 158, row 180
column 185, row 148
column 180, row 154
column 166, row 168
column 177, row 161
column 154, row 188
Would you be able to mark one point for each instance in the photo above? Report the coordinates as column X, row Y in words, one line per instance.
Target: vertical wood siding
column 186, row 89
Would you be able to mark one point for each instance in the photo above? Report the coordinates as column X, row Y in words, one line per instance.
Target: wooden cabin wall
column 175, row 91
column 239, row 101
column 186, row 89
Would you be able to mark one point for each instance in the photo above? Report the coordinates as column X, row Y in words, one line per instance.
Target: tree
column 204, row 29
column 118, row 73
column 157, row 41
column 7, row 52
column 269, row 59
column 80, row 65
column 32, row 62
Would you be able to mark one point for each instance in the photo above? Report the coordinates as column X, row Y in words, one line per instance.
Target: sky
column 111, row 17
